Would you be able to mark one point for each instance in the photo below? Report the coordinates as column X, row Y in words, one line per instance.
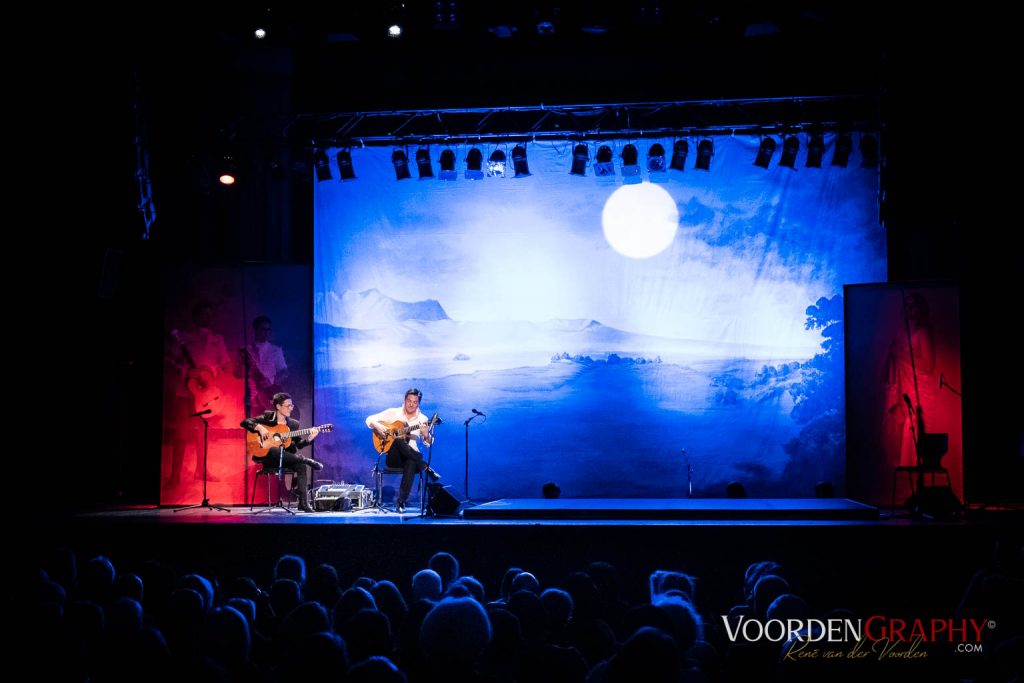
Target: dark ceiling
column 721, row 65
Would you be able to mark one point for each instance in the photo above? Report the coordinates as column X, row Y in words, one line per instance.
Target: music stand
column 206, row 501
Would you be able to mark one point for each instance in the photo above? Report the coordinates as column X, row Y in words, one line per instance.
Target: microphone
column 202, row 412
column 477, row 412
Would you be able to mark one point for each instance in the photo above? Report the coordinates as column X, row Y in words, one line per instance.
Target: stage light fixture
column 790, row 148
column 322, row 164
column 423, row 163
column 679, row 151
column 401, row 163
column 630, row 164
column 447, row 162
column 841, row 154
column 868, row 151
column 345, row 170
column 519, row 161
column 656, row 158
column 580, row 158
column 815, row 151
column 705, row 150
column 603, row 164
column 496, row 164
column 474, row 164
column 765, row 152
column 227, row 169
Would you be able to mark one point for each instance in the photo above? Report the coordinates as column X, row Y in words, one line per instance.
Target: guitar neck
column 300, row 432
column 188, row 356
column 413, row 427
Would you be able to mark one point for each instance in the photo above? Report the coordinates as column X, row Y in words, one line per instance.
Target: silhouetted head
column 735, row 490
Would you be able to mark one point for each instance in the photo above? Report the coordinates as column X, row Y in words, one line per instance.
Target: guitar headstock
column 326, row 428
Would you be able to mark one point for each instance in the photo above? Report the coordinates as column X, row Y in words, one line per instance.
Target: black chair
column 380, row 469
column 930, row 449
column 269, row 471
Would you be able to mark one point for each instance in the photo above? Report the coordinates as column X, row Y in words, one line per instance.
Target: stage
column 844, row 552
column 823, row 509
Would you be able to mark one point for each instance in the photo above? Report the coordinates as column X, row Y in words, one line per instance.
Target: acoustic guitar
column 257, row 447
column 397, row 430
column 205, row 393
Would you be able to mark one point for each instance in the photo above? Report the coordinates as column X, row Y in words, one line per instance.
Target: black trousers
column 401, row 454
column 289, row 461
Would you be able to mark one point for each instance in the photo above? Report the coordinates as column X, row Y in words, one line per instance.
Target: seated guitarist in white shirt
column 404, row 451
column 280, row 415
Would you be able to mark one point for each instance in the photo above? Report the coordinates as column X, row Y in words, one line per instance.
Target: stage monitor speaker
column 441, row 502
column 935, row 502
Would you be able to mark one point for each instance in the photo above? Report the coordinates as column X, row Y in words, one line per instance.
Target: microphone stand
column 689, row 475
column 466, row 483
column 206, row 501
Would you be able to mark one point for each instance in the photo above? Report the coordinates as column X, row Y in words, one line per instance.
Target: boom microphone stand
column 476, row 414
column 206, row 432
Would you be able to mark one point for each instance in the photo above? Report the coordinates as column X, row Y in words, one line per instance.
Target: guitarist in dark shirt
column 287, row 456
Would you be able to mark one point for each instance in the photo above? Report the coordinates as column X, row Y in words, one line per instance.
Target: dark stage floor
column 573, row 510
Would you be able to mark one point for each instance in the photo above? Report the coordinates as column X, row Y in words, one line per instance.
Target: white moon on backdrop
column 640, row 221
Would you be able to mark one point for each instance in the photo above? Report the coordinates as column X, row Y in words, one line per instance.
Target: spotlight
column 705, row 150
column 474, row 162
column 815, row 150
column 496, row 164
column 868, row 151
column 394, row 31
column 423, row 163
column 656, row 158
column 519, row 161
column 790, row 148
column 447, row 165
column 322, row 165
column 679, row 151
column 604, row 166
column 401, row 163
column 765, row 152
column 227, row 173
column 580, row 157
column 345, row 170
column 630, row 165
column 844, row 145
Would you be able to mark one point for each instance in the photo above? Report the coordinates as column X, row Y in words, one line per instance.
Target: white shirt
column 390, row 415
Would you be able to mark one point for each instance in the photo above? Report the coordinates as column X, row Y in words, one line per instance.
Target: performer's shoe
column 315, row 464
column 304, row 506
column 430, row 472
column 400, row 507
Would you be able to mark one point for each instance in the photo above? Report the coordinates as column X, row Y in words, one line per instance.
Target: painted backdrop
column 613, row 329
